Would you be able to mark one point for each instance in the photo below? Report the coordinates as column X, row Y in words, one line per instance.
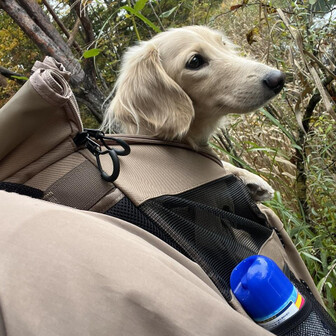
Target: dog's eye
column 195, row 62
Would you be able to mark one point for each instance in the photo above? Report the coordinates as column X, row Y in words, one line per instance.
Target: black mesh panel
column 127, row 211
column 21, row 189
column 312, row 320
column 216, row 225
column 311, row 326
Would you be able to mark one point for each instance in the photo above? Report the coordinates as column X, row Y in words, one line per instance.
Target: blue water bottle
column 265, row 292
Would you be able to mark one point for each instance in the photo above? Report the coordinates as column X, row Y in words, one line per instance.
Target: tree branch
column 89, row 37
column 47, row 43
column 73, row 33
column 9, row 74
column 157, row 17
column 36, row 13
column 63, row 28
column 86, row 23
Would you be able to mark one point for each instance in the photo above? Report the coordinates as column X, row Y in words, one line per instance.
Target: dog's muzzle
column 275, row 81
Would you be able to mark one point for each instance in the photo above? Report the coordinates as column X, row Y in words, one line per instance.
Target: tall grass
column 291, row 143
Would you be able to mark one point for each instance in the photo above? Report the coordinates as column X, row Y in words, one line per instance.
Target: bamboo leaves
column 136, row 11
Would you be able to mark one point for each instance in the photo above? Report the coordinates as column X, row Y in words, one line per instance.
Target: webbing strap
column 81, row 188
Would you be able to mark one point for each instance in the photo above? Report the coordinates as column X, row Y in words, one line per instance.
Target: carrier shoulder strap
column 156, row 167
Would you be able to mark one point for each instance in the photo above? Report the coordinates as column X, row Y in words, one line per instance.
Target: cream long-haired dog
column 181, row 83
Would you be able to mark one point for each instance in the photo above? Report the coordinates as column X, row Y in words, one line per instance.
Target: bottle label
column 294, row 303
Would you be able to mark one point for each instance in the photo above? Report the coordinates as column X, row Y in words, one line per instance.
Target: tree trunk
column 63, row 28
column 35, row 23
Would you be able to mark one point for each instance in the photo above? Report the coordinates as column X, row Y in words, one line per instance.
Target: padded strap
column 80, row 188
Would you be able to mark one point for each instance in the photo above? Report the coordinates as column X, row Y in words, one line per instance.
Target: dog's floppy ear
column 147, row 100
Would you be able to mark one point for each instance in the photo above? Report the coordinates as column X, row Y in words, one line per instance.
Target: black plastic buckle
column 85, row 139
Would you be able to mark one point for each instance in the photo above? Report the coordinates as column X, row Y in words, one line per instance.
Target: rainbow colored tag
column 294, row 303
column 265, row 292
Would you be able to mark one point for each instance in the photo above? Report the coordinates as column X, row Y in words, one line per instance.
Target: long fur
column 157, row 95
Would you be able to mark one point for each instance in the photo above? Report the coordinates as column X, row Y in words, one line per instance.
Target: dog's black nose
column 275, row 80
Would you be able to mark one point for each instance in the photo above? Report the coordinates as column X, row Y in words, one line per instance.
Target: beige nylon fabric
column 41, row 116
column 81, row 188
column 153, row 170
column 28, row 172
column 44, row 179
column 68, row 272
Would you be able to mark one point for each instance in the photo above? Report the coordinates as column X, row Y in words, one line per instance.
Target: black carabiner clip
column 115, row 163
column 126, row 148
column 84, row 138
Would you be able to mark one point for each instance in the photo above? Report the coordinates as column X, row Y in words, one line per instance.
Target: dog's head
column 179, row 84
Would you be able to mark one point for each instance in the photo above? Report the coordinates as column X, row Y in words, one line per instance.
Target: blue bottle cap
column 260, row 286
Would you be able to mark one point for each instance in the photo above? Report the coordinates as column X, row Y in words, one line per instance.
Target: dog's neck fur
column 201, row 129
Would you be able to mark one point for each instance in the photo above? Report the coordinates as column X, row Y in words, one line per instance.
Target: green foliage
column 301, row 166
column 137, row 13
column 17, row 53
column 91, row 53
column 139, row 5
column 20, row 77
column 168, row 13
